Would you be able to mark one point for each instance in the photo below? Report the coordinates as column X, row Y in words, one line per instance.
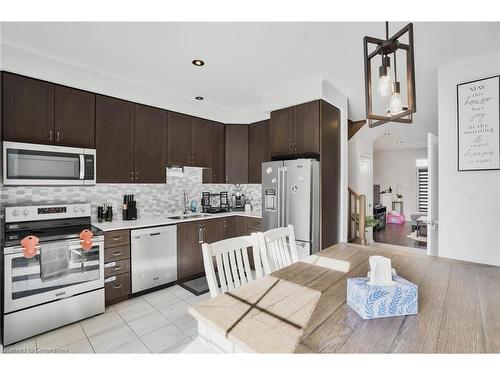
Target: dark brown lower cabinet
column 189, row 255
column 191, row 235
column 117, row 283
column 227, row 228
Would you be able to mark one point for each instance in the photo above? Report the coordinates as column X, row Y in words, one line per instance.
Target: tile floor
column 158, row 322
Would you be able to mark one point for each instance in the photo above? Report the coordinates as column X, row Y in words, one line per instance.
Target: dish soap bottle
column 193, row 206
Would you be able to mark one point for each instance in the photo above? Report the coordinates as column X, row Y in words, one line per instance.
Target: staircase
column 356, row 220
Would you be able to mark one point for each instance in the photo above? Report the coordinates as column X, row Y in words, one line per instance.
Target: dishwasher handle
column 155, row 234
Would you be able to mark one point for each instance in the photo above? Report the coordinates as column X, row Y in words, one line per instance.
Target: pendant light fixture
column 388, row 91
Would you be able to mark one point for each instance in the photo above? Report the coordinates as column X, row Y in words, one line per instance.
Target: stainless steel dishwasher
column 154, row 257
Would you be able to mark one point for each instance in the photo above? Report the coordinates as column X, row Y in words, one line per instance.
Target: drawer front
column 116, row 238
column 116, row 268
column 119, row 287
column 255, row 224
column 113, row 254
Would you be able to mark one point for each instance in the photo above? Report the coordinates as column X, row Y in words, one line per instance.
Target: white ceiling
column 246, row 61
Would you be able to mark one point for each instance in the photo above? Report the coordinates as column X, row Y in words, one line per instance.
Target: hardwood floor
column 397, row 234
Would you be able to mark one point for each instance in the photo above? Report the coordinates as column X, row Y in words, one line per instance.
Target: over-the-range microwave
column 35, row 164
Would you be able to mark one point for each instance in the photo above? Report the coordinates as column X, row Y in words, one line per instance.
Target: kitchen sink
column 188, row 216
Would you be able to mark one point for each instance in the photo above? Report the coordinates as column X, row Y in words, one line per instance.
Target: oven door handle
column 82, row 166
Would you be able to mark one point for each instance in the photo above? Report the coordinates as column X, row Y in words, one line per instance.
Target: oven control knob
column 16, row 212
column 25, row 212
column 75, row 209
column 82, row 209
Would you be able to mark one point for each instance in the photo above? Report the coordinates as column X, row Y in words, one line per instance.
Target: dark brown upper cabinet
column 28, row 110
column 41, row 112
column 201, row 142
column 217, row 174
column 178, row 139
column 74, row 117
column 150, row 144
column 306, row 128
column 114, row 140
column 189, row 141
column 258, row 150
column 236, row 154
column 295, row 130
column 281, row 131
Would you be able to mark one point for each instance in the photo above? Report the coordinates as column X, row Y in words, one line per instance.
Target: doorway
column 401, row 195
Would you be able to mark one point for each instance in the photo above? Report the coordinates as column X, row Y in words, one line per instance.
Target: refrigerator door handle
column 282, row 208
column 279, row 204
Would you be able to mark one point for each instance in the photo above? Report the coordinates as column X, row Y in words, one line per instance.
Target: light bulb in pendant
column 395, row 106
column 384, row 78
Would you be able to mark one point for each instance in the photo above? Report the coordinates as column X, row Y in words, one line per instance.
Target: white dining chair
column 232, row 261
column 277, row 248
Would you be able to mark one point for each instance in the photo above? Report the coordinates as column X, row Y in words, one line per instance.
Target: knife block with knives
column 129, row 207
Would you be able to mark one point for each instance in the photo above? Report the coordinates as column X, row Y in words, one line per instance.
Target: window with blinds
column 422, row 189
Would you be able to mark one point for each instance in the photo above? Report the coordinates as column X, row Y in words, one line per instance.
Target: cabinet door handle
column 57, row 136
column 136, row 175
column 117, row 253
column 50, row 135
column 117, row 286
column 132, row 175
column 117, row 268
column 200, row 234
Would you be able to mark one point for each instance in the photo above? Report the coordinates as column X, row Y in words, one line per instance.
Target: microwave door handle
column 82, row 166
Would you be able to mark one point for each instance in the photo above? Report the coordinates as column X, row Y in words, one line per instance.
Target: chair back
column 227, row 264
column 277, row 248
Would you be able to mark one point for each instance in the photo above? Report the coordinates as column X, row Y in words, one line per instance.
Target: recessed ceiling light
column 399, row 142
column 198, row 62
column 199, row 97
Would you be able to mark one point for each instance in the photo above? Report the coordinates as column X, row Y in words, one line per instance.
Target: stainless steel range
column 61, row 280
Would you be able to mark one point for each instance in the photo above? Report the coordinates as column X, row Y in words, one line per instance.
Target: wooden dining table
column 302, row 308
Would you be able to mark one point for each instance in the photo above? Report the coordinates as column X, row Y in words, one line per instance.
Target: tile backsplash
column 152, row 199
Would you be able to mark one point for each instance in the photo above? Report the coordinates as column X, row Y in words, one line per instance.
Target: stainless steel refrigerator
column 290, row 195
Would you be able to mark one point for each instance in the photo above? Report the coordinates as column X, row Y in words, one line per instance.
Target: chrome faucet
column 185, row 202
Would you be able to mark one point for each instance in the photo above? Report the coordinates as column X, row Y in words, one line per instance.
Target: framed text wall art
column 478, row 117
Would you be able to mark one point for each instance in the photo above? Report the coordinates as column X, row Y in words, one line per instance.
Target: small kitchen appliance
column 221, row 206
column 34, row 164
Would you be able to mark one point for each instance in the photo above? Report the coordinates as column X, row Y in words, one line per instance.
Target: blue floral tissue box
column 372, row 302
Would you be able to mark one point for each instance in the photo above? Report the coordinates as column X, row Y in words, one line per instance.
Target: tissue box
column 372, row 302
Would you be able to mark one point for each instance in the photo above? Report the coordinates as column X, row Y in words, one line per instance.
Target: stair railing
column 356, row 217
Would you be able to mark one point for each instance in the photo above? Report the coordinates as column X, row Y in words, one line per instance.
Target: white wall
column 398, row 167
column 24, row 62
column 469, row 202
column 360, row 144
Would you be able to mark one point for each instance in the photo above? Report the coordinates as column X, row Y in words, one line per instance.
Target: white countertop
column 153, row 221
